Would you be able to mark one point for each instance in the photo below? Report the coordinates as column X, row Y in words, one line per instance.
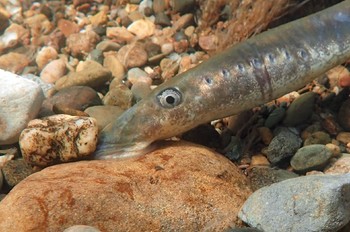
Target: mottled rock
column 264, row 176
column 112, row 63
column 133, row 55
column 119, row 34
column 344, row 115
column 20, row 102
column 120, row 96
column 300, row 109
column 53, row 71
column 311, row 157
column 142, row 28
column 341, row 166
column 58, row 138
column 104, row 114
column 67, row 27
column 80, row 44
column 14, row 62
column 15, row 171
column 318, row 137
column 99, row 19
column 180, row 186
column 45, row 55
column 308, row 203
column 38, row 24
column 284, row 144
column 93, row 75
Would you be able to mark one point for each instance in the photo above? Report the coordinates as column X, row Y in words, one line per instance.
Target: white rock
column 20, row 102
column 58, row 138
column 142, row 28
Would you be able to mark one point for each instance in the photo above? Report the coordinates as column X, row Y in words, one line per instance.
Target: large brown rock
column 180, row 186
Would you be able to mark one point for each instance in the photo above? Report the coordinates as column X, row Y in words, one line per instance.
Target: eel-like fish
column 248, row 74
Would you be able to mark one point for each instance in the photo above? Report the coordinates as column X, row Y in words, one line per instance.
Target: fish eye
column 169, row 98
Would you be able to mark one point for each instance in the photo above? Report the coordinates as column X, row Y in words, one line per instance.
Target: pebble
column 265, row 134
column 169, row 68
column 104, row 114
column 162, row 19
column 142, row 28
column 183, row 22
column 80, row 44
column 335, row 149
column 45, row 55
column 340, row 166
column 300, row 110
column 58, row 138
column 167, row 48
column 53, row 71
column 265, row 176
column 344, row 137
column 14, row 62
column 284, row 144
column 338, row 76
column 133, row 55
column 259, row 160
column 119, row 34
column 308, row 203
column 108, row 45
column 14, row 35
column 136, row 74
column 311, row 157
column 21, row 100
column 142, row 187
column 344, row 115
column 182, row 6
column 99, row 19
column 74, row 97
column 67, row 27
column 120, row 96
column 160, row 5
column 275, row 117
column 318, row 137
column 95, row 55
column 112, row 63
column 6, row 155
column 15, row 171
column 38, row 24
column 81, row 228
column 208, row 42
column 93, row 75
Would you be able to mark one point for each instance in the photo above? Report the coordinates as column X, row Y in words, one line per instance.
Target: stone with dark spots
column 15, row 171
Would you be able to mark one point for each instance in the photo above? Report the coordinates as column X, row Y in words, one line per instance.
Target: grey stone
column 300, row 109
column 311, row 157
column 20, row 102
column 304, row 204
column 15, row 171
column 284, row 144
column 275, row 117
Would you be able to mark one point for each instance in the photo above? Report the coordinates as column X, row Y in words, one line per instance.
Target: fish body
column 248, row 74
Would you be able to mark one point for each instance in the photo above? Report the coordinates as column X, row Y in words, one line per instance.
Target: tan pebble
column 189, row 31
column 39, row 24
column 133, row 55
column 259, row 160
column 45, row 55
column 265, row 134
column 112, row 63
column 184, row 21
column 339, row 76
column 208, row 42
column 340, row 166
column 14, row 62
column 119, row 34
column 167, row 48
column 344, row 137
column 142, row 28
column 53, row 71
column 169, row 68
column 99, row 19
column 80, row 44
column 120, row 96
column 185, row 64
column 334, row 149
column 14, row 35
column 67, row 27
column 181, row 46
column 314, row 173
column 288, row 97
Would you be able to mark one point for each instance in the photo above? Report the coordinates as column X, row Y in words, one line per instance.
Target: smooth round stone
column 311, row 157
column 108, row 45
column 318, row 137
column 275, row 117
column 300, row 110
column 113, row 64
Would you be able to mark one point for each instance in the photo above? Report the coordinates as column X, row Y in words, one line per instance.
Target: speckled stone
column 15, row 171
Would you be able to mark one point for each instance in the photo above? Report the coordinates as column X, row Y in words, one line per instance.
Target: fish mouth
column 106, row 151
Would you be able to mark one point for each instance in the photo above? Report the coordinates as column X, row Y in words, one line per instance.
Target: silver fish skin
column 246, row 75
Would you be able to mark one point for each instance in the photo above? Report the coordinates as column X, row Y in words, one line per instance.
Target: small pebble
column 318, row 137
column 162, row 19
column 119, row 96
column 300, row 109
column 108, row 45
column 344, row 137
column 340, row 166
column 15, row 171
column 80, row 44
column 53, row 71
column 119, row 34
column 133, row 55
column 14, row 62
column 183, row 22
column 67, row 27
column 311, row 157
column 259, row 160
column 45, row 55
column 142, row 28
column 335, row 149
column 99, row 19
column 208, row 42
column 112, row 63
